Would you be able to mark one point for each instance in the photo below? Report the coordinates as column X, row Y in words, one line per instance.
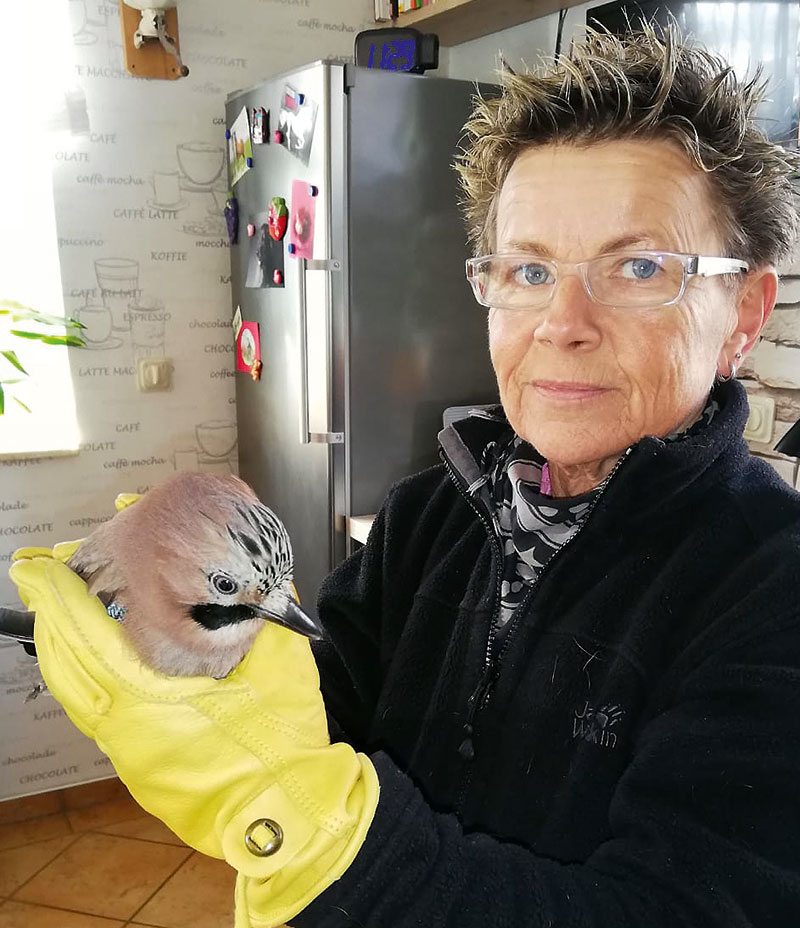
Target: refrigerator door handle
column 306, row 435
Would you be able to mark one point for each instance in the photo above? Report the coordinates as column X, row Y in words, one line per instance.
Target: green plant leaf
column 2, row 401
column 13, row 304
column 11, row 357
column 20, row 403
column 71, row 341
column 12, row 380
column 41, row 318
column 25, row 312
column 20, row 313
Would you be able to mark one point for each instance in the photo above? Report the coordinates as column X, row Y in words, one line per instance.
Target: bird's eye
column 224, row 585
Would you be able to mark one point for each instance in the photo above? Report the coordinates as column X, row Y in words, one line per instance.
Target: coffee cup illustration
column 97, row 322
column 166, row 190
column 118, row 279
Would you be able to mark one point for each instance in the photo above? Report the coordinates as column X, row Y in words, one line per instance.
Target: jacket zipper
column 491, row 668
column 534, row 586
column 466, row 748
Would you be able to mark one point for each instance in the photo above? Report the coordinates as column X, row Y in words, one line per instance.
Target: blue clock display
column 393, row 54
column 397, row 49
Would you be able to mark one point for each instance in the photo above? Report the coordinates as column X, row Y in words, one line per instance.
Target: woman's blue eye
column 639, row 268
column 533, row 273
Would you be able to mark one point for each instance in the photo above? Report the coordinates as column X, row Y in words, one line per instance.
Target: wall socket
column 153, row 374
column 761, row 421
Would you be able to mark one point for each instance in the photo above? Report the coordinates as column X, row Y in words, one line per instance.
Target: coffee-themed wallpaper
column 145, row 267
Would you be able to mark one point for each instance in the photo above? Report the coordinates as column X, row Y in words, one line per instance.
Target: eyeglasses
column 627, row 279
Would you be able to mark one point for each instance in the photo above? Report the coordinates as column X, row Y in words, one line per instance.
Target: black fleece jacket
column 631, row 756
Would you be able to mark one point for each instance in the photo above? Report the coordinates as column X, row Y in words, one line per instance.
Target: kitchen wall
column 144, row 264
column 772, row 370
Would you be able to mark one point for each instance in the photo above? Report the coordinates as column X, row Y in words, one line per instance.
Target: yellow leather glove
column 239, row 768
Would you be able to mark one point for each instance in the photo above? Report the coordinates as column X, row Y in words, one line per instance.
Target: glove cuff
column 272, row 890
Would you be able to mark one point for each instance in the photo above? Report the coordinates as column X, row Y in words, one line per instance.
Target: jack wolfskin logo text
column 594, row 725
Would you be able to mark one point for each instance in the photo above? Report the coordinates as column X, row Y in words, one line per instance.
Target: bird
column 192, row 571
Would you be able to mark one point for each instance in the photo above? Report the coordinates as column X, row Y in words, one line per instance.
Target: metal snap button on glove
column 273, row 843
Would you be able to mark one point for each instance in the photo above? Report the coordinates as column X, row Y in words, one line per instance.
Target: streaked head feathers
column 199, row 563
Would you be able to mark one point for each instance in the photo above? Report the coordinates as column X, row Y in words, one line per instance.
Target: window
column 35, row 70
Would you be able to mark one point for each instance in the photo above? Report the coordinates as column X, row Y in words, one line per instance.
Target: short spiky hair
column 647, row 85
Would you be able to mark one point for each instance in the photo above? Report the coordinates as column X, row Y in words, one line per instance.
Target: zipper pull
column 467, row 749
column 480, row 690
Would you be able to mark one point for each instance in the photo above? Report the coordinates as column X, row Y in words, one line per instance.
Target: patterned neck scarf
column 533, row 526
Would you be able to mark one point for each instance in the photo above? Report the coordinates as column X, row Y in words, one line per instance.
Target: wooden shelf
column 456, row 21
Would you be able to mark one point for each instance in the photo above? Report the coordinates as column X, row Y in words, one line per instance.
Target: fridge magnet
column 260, row 125
column 278, row 215
column 265, row 266
column 232, row 219
column 304, row 206
column 236, row 322
column 298, row 115
column 248, row 347
column 240, row 148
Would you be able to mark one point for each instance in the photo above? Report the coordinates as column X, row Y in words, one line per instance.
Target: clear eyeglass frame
column 692, row 265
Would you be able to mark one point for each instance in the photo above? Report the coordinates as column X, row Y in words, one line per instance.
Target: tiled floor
column 89, row 857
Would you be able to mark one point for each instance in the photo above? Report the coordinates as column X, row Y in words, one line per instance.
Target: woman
column 571, row 653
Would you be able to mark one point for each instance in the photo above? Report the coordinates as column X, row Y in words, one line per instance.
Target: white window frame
column 35, row 68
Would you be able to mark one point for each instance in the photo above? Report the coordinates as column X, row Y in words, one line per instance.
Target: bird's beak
column 291, row 616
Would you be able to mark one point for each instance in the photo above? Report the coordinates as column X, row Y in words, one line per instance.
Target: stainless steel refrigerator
column 368, row 342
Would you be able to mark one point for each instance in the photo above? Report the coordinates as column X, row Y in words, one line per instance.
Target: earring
column 731, row 375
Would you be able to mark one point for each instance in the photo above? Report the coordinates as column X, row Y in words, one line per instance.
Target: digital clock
column 397, row 49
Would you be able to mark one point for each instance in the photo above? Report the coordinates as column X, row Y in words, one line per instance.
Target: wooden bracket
column 151, row 60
